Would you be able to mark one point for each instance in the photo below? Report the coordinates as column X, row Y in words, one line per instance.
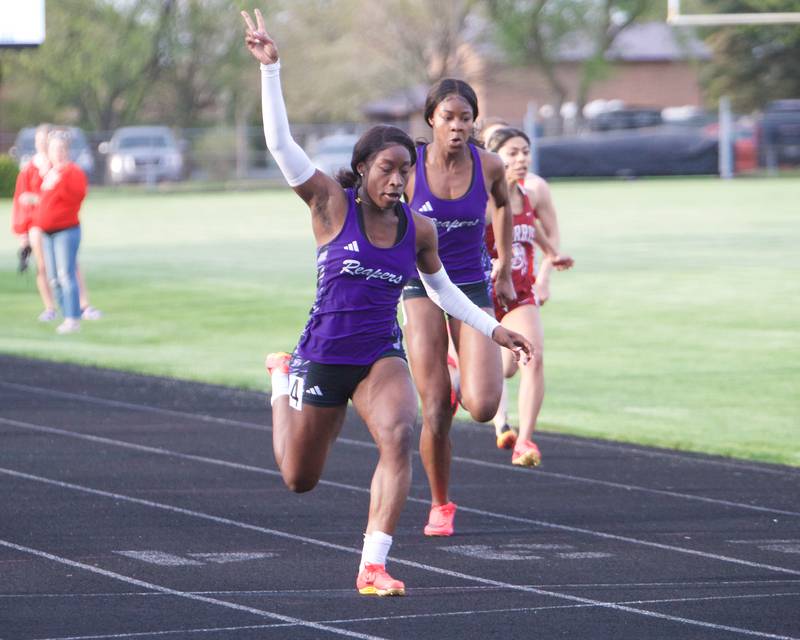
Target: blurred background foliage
column 107, row 63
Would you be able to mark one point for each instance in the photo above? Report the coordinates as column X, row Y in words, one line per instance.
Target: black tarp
column 629, row 153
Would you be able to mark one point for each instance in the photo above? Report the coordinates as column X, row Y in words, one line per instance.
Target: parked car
column 780, row 133
column 626, row 118
column 79, row 151
column 334, row 152
column 143, row 154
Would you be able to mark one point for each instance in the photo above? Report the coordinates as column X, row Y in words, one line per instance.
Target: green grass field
column 678, row 327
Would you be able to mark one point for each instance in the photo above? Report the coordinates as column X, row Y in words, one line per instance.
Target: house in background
column 652, row 65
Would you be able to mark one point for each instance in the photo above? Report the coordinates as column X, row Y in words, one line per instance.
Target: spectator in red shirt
column 25, row 203
column 62, row 192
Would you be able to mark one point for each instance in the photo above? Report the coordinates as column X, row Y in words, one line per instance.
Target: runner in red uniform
column 522, row 314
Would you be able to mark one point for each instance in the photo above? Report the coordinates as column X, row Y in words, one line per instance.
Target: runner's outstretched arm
column 453, row 301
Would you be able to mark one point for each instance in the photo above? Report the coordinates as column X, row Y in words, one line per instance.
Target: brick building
column 652, row 65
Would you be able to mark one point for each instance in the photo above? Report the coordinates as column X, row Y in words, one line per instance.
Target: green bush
column 8, row 176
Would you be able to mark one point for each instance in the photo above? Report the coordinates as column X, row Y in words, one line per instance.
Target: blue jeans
column 60, row 258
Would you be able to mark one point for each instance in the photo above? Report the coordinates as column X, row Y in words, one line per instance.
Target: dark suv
column 626, row 118
column 143, row 154
column 780, row 133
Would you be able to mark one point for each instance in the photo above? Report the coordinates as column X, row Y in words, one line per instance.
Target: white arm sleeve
column 452, row 300
column 292, row 160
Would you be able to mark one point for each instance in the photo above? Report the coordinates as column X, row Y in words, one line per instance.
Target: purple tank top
column 354, row 317
column 460, row 222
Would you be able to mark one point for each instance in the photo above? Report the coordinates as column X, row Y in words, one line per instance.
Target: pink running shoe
column 374, row 581
column 440, row 520
column 278, row 360
column 526, row 454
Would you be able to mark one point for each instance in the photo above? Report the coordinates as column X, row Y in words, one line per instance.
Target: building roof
column 397, row 105
column 641, row 42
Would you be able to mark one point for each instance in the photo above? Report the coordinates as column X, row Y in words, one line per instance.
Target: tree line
column 107, row 63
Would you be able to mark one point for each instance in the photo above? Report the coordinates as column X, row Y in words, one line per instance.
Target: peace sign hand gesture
column 258, row 41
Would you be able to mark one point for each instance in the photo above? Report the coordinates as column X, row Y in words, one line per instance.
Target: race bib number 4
column 296, row 385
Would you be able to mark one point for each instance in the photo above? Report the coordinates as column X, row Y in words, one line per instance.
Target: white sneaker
column 70, row 325
column 90, row 313
column 48, row 315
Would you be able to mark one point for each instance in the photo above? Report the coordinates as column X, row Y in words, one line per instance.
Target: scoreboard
column 21, row 23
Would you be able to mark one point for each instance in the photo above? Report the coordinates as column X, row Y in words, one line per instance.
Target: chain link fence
column 625, row 143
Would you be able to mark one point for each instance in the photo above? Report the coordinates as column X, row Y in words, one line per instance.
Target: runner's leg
column 480, row 367
column 302, row 439
column 526, row 320
column 426, row 339
column 42, row 285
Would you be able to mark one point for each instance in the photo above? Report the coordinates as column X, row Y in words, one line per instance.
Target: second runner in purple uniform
column 454, row 184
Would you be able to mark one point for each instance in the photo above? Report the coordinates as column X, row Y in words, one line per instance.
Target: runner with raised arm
column 368, row 245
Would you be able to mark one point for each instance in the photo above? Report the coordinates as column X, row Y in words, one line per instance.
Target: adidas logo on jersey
column 314, row 391
column 353, row 246
column 427, row 207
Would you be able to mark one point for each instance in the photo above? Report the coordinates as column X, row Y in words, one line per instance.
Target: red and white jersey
column 523, row 267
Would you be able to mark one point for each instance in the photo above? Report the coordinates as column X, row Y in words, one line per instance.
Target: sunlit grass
column 679, row 326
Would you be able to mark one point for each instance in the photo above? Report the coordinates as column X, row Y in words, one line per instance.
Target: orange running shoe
column 506, row 438
column 374, row 581
column 526, row 454
column 278, row 360
column 440, row 520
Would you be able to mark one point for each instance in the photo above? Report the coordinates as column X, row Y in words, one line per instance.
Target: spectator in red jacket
column 25, row 203
column 62, row 192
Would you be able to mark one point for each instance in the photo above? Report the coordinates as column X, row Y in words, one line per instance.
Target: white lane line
column 687, row 457
column 767, row 541
column 574, row 440
column 438, row 614
column 462, row 508
column 577, row 441
column 147, row 634
column 479, row 588
column 410, row 563
column 628, row 487
column 548, row 607
column 166, row 452
column 534, row 609
column 183, row 594
column 130, row 405
column 370, row 445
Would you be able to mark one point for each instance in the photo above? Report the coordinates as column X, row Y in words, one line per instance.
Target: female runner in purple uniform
column 368, row 245
column 451, row 185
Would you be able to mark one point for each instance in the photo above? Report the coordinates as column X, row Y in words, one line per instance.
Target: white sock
column 376, row 548
column 280, row 385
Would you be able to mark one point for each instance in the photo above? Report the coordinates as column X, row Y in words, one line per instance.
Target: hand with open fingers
column 519, row 345
column 257, row 39
column 562, row 263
